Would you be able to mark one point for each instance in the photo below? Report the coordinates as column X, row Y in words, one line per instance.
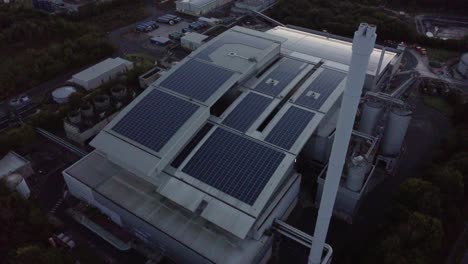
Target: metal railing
column 61, row 142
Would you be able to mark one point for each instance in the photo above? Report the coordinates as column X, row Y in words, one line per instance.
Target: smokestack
column 363, row 44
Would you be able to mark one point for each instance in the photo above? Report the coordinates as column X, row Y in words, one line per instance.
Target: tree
column 419, row 195
column 39, row 255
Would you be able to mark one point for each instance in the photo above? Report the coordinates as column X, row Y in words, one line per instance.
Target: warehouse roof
column 102, row 67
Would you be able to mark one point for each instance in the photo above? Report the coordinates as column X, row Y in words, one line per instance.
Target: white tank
column 16, row 182
column 395, row 131
column 357, row 171
column 75, row 116
column 463, row 65
column 371, row 113
column 101, row 102
column 87, row 110
column 62, row 94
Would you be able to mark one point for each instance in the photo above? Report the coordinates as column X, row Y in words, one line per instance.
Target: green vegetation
column 451, row 5
column 342, row 17
column 142, row 60
column 24, row 232
column 429, row 209
column 438, row 103
column 35, row 47
column 111, row 14
column 441, row 55
column 15, row 138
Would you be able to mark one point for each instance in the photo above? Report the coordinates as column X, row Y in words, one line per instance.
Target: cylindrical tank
column 463, row 65
column 371, row 113
column 75, row 116
column 395, row 131
column 357, row 170
column 16, row 182
column 119, row 92
column 61, row 95
column 101, row 102
column 87, row 110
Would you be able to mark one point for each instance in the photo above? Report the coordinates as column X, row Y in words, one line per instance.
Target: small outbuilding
column 193, row 40
column 160, row 41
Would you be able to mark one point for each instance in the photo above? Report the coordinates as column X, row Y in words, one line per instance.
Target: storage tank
column 395, row 131
column 463, row 65
column 357, row 170
column 75, row 116
column 371, row 113
column 62, row 94
column 101, row 102
column 16, row 182
column 119, row 92
column 87, row 110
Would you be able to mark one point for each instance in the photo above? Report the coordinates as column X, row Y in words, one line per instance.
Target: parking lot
column 164, row 30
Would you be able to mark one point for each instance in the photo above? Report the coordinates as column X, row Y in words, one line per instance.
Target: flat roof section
column 197, row 80
column 315, row 95
column 100, row 68
column 235, row 165
column 327, row 48
column 233, row 37
column 247, row 111
column 291, row 125
column 274, row 83
column 155, row 119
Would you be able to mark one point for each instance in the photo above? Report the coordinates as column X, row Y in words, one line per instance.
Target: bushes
column 16, row 137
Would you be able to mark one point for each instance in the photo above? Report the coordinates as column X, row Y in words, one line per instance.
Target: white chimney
column 363, row 45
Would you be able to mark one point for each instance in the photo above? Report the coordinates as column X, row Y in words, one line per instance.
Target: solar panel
column 285, row 133
column 191, row 145
column 247, row 111
column 155, row 119
column 234, row 38
column 197, row 79
column 235, row 165
column 320, row 89
column 280, row 77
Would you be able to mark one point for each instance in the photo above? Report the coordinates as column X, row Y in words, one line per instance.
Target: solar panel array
column 234, row 38
column 235, row 165
column 197, row 80
column 280, row 77
column 320, row 89
column 191, row 145
column 155, row 119
column 247, row 111
column 288, row 129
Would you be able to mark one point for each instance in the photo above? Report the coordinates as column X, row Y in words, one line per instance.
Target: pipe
column 377, row 73
column 363, row 44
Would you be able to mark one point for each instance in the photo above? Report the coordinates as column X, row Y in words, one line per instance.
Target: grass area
column 439, row 104
column 119, row 16
column 441, row 55
column 142, row 60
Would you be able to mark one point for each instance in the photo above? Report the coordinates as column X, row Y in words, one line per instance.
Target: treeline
column 419, row 4
column 342, row 17
column 24, row 231
column 429, row 211
column 38, row 47
column 22, row 26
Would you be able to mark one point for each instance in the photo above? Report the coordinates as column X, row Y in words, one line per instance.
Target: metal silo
column 357, row 171
column 16, row 182
column 371, row 113
column 395, row 131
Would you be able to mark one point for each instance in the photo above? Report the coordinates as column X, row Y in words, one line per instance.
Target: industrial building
column 102, row 72
column 199, row 7
column 463, row 65
column 203, row 163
